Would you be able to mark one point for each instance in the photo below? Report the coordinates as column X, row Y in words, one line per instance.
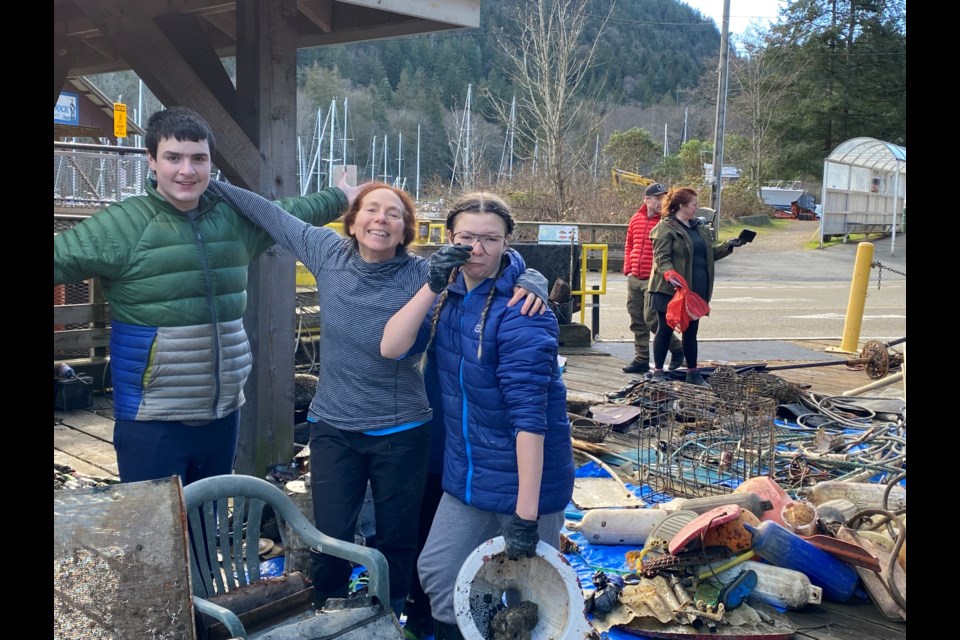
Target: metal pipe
column 876, row 384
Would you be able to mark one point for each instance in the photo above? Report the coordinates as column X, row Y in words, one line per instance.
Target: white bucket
column 546, row 579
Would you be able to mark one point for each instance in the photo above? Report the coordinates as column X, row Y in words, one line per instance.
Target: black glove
column 446, row 259
column 735, row 242
column 520, row 537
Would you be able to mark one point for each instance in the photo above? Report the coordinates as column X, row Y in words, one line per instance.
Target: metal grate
column 695, row 442
column 90, row 178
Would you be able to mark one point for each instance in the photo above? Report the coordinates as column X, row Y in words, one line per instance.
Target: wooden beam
column 366, row 32
column 88, row 448
column 191, row 40
column 173, row 80
column 457, row 13
column 225, row 22
column 77, row 313
column 64, row 53
column 74, row 339
column 266, row 108
column 319, row 12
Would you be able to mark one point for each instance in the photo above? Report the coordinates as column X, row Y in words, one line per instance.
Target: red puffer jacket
column 638, row 250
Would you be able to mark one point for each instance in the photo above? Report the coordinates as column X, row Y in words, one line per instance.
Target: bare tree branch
column 549, row 70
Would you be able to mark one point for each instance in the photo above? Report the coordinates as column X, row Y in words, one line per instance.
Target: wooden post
column 266, row 110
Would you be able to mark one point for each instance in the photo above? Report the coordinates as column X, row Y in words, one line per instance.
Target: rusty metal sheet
column 120, row 564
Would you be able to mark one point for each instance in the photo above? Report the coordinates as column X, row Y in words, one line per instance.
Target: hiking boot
column 676, row 360
column 694, row 377
column 637, row 366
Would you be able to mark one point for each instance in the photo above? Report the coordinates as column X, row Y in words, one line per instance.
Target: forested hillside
column 547, row 95
column 649, row 50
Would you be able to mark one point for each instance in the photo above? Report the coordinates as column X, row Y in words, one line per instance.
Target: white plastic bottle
column 618, row 526
column 866, row 495
column 777, row 585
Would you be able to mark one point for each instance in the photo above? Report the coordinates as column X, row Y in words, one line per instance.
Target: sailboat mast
column 399, row 158
column 467, row 181
column 385, row 157
column 418, row 164
column 343, row 153
column 333, row 139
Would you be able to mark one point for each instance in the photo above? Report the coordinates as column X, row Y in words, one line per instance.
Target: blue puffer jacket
column 513, row 385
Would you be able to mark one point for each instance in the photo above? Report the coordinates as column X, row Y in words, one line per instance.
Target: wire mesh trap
column 694, row 441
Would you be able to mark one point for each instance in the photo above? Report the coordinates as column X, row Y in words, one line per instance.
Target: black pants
column 341, row 463
column 661, row 342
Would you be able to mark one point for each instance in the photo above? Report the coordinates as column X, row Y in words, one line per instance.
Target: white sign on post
column 558, row 234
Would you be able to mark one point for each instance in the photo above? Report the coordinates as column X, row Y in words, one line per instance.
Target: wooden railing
column 94, row 339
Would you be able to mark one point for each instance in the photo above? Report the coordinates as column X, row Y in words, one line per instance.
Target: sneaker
column 694, row 377
column 676, row 360
column 657, row 376
column 637, row 367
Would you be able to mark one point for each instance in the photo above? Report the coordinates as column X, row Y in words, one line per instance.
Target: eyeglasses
column 487, row 243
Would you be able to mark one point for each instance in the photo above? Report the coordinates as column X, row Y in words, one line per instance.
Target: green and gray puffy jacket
column 176, row 285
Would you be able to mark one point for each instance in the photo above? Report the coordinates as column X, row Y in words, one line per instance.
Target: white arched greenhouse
column 864, row 190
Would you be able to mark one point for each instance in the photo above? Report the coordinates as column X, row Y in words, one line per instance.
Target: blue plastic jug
column 783, row 548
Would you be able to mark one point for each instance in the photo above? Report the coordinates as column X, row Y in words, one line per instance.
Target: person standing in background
column 682, row 243
column 637, row 263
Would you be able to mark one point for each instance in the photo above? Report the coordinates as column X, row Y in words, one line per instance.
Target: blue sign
column 67, row 109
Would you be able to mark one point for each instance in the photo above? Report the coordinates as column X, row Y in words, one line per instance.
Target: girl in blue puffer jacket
column 508, row 459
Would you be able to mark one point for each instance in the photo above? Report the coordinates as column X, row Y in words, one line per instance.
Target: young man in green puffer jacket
column 173, row 264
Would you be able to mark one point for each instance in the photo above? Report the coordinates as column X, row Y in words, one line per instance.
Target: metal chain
column 879, row 265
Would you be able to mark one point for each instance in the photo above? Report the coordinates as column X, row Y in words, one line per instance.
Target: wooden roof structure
column 176, row 47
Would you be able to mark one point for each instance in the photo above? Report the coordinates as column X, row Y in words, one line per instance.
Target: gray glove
column 520, row 537
column 443, row 262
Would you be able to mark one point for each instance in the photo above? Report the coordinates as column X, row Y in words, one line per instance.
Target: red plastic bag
column 685, row 305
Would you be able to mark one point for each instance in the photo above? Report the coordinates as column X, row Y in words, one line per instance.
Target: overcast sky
column 742, row 12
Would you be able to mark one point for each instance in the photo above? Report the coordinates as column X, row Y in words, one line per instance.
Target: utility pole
column 721, row 111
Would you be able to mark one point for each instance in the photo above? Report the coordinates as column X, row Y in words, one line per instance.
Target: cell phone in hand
column 747, row 236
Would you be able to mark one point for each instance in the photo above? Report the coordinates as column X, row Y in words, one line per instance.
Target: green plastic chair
column 224, row 534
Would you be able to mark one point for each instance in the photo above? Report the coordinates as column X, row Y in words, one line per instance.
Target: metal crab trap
column 697, row 441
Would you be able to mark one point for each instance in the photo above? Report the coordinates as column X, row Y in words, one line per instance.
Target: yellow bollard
column 858, row 298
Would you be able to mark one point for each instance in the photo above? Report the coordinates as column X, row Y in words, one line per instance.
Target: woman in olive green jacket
column 682, row 244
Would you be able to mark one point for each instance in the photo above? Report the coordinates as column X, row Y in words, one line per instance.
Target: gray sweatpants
column 457, row 530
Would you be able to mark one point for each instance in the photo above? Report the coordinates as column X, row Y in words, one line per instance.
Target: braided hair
column 476, row 202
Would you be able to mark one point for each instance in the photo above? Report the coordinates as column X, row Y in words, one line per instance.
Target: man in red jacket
column 637, row 262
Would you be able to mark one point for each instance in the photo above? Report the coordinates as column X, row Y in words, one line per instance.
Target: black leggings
column 661, row 342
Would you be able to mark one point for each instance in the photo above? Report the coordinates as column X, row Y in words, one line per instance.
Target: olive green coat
column 673, row 250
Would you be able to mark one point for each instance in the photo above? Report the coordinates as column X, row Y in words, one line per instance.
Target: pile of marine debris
column 756, row 496
column 66, row 477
